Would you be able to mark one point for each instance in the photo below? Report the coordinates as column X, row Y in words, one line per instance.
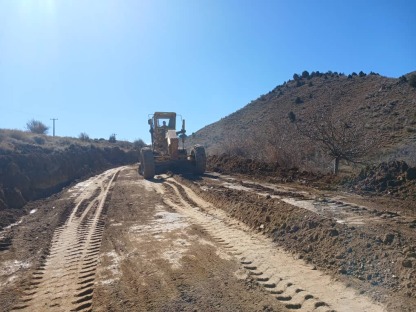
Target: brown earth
column 217, row 243
column 379, row 252
column 395, row 178
column 150, row 257
column 273, row 171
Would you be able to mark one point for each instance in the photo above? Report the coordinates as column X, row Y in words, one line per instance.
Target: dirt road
column 117, row 242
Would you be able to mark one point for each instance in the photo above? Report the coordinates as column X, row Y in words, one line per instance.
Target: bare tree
column 342, row 139
column 36, row 126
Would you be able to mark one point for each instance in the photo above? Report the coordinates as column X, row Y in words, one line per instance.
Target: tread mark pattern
column 283, row 290
column 65, row 277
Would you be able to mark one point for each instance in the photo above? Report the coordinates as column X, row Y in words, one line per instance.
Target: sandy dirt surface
column 117, row 242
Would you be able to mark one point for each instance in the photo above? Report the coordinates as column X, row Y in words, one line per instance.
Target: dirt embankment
column 393, row 179
column 39, row 173
column 240, row 165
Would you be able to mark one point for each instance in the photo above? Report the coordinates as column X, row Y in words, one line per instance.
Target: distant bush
column 112, row 138
column 295, row 77
column 292, row 116
column 412, row 80
column 354, row 74
column 315, row 74
column 39, row 140
column 298, row 100
column 305, row 74
column 349, row 76
column 361, row 74
column 402, row 79
column 139, row 143
column 299, row 83
column 310, row 84
column 83, row 136
column 36, row 126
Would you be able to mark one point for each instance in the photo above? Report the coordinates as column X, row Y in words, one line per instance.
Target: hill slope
column 384, row 107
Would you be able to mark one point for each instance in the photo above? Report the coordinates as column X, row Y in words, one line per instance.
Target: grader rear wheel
column 200, row 159
column 147, row 163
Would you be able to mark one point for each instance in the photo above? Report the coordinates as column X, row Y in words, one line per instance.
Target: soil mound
column 240, row 165
column 396, row 178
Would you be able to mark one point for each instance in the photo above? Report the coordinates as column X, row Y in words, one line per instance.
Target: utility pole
column 54, row 125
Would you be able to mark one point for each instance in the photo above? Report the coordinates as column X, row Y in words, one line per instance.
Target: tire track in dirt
column 297, row 285
column 65, row 277
column 335, row 207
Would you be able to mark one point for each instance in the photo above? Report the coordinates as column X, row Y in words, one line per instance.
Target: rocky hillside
column 267, row 128
column 34, row 166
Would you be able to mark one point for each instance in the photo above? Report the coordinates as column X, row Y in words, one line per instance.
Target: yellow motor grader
column 165, row 154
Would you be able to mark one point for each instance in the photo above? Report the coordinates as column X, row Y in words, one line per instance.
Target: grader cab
column 165, row 153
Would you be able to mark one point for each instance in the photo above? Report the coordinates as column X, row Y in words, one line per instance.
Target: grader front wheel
column 147, row 163
column 199, row 158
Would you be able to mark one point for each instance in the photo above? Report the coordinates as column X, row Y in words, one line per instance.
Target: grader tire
column 147, row 163
column 199, row 158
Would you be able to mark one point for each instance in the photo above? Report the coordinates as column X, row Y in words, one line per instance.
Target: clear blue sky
column 102, row 66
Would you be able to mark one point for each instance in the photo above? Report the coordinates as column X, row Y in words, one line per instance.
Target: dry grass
column 17, row 141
